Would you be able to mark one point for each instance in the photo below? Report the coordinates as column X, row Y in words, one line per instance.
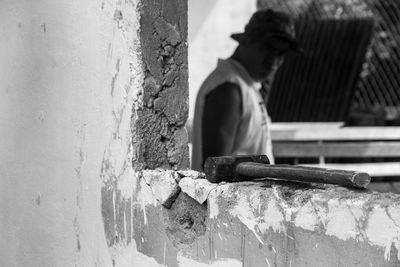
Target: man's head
column 267, row 38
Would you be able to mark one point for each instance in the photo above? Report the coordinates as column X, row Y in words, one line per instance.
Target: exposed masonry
column 159, row 136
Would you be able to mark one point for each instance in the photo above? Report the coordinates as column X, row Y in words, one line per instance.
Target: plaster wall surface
column 70, row 75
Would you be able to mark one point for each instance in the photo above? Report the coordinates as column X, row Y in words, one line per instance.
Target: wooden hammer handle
column 249, row 170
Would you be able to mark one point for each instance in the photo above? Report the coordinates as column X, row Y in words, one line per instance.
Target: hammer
column 247, row 168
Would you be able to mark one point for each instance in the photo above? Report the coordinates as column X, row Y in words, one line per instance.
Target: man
column 230, row 115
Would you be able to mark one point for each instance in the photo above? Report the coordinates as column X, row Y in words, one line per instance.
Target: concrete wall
column 272, row 224
column 72, row 80
column 57, row 101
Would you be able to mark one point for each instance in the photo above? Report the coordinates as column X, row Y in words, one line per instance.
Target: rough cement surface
column 159, row 137
column 353, row 223
column 186, row 221
column 280, row 224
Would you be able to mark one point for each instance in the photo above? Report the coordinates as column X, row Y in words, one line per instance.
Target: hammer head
column 220, row 169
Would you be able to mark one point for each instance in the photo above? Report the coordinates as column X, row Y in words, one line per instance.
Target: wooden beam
column 302, row 125
column 336, row 149
column 333, row 133
column 373, row 169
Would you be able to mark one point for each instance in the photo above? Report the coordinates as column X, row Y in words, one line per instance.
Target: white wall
column 68, row 76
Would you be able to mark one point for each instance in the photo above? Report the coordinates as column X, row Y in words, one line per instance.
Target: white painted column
column 69, row 73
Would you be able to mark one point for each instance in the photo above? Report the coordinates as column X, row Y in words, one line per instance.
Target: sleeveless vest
column 253, row 135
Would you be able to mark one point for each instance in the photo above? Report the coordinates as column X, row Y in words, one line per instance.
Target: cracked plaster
column 159, row 134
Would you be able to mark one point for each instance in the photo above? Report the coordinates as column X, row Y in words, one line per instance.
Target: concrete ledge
column 347, row 228
column 272, row 224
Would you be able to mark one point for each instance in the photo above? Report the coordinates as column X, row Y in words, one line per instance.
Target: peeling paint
column 145, row 198
column 336, row 226
column 344, row 216
column 306, row 217
column 220, row 191
column 383, row 231
column 277, row 223
column 213, row 208
column 123, row 55
column 244, row 211
column 273, row 218
column 127, row 183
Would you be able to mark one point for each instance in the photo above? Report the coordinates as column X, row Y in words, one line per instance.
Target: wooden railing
column 331, row 140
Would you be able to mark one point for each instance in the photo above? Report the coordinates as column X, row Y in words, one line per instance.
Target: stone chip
column 163, row 184
column 198, row 189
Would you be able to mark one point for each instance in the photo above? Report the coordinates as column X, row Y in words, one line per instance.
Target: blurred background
column 336, row 105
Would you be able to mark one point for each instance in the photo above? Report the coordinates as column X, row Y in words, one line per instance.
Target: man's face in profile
column 266, row 60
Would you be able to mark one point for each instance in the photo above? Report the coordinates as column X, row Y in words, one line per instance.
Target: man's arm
column 222, row 112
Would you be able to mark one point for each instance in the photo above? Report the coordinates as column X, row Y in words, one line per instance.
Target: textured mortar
column 159, row 136
column 186, row 221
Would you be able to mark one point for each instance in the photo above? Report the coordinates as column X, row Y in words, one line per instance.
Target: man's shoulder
column 227, row 89
column 222, row 79
column 225, row 95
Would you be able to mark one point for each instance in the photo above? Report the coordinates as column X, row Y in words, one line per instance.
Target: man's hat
column 272, row 28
